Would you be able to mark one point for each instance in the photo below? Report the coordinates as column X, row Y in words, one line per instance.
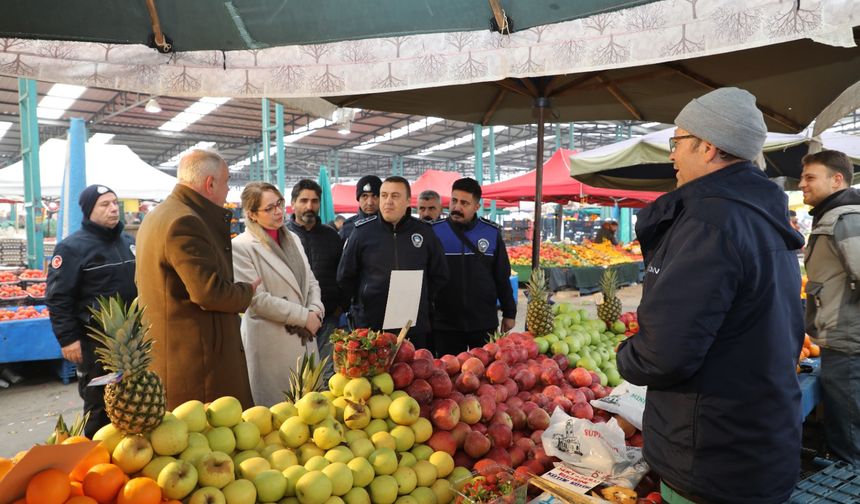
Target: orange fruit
column 140, row 491
column 98, row 455
column 77, row 489
column 5, row 466
column 51, row 486
column 103, row 481
column 806, row 340
column 22, row 500
column 804, row 353
column 814, row 350
column 80, row 499
column 75, row 439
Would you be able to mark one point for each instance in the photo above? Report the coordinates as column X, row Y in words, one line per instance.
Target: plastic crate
column 840, row 482
column 517, row 495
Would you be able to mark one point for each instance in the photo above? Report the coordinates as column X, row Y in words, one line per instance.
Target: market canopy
column 115, row 166
column 642, row 163
column 559, row 187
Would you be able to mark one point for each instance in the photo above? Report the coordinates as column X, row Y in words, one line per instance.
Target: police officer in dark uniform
column 392, row 240
column 367, row 195
column 97, row 260
column 465, row 309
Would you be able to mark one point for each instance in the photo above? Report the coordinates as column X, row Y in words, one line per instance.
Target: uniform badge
column 483, row 245
column 417, row 240
column 102, row 189
column 56, row 262
column 133, row 250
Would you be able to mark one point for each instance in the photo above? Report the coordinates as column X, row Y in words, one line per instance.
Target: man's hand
column 507, row 324
column 313, row 323
column 256, row 283
column 72, row 352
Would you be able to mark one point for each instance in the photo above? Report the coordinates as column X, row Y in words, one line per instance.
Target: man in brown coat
column 185, row 282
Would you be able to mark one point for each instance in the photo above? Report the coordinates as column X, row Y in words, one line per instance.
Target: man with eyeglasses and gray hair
column 720, row 319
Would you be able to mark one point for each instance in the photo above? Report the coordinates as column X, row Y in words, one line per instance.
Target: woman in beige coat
column 286, row 311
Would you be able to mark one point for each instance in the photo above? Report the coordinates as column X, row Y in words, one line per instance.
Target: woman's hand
column 313, row 322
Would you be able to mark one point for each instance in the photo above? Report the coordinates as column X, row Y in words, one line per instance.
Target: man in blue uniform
column 97, row 260
column 466, row 310
column 380, row 244
column 367, row 195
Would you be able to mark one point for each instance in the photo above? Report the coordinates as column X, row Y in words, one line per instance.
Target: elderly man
column 833, row 293
column 392, row 240
column 367, row 195
column 96, row 260
column 720, row 322
column 185, row 279
column 429, row 205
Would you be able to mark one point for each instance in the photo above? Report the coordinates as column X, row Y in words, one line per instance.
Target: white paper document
column 404, row 296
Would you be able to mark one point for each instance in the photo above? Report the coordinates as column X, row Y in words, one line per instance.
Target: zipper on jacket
column 396, row 262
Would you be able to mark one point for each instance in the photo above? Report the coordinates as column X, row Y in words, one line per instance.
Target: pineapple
column 307, row 379
column 62, row 431
column 610, row 309
column 134, row 404
column 539, row 316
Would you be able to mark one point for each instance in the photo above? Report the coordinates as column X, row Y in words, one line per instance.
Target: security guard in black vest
column 466, row 308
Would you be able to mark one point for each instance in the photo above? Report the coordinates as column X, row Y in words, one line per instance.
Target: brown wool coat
column 185, row 283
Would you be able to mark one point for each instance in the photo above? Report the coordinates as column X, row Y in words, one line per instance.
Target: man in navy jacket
column 720, row 321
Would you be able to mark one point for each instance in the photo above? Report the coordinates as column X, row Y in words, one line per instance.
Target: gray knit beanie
column 727, row 118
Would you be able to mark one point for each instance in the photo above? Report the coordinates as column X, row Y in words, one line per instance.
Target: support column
column 27, row 104
column 557, row 129
column 491, row 139
column 279, row 144
column 74, row 181
column 267, row 127
column 478, row 144
column 625, row 226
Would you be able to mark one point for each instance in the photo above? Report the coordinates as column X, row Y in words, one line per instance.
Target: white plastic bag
column 625, row 400
column 594, row 449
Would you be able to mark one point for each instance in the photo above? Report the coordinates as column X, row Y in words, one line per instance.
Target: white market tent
column 115, row 166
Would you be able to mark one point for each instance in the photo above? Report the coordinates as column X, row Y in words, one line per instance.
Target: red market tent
column 343, row 196
column 559, row 187
column 441, row 182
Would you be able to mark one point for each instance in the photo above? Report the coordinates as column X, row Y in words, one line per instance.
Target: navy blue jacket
column 476, row 281
column 373, row 251
column 721, row 327
column 349, row 225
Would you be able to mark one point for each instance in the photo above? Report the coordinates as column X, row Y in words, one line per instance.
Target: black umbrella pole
column 541, row 104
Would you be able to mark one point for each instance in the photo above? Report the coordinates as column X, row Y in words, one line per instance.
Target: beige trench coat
column 271, row 351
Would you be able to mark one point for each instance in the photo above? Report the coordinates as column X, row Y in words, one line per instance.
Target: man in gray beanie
column 720, row 321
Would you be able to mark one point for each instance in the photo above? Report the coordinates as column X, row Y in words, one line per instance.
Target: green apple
column 404, row 410
column 378, row 405
column 406, row 480
column 444, row 463
column 422, row 451
column 224, row 412
column 404, row 437
column 207, row 495
column 109, row 436
column 221, row 439
column 313, row 487
column 251, row 467
column 281, row 412
column 382, row 384
column 316, row 463
column 307, row 451
column 425, row 472
column 247, row 435
column 169, row 438
column 197, row 439
column 177, row 479
column 194, row 453
column 273, row 438
column 340, row 476
column 271, row 485
column 132, row 453
column 339, row 404
column 328, row 395
column 193, row 413
column 290, row 500
column 313, row 408
column 294, row 432
column 243, row 456
column 459, row 476
column 406, row 459
column 357, row 495
column 240, row 492
column 267, row 450
column 383, row 439
column 293, row 473
column 215, row 469
column 423, row 429
column 406, row 499
column 358, row 389
column 442, row 489
column 351, row 435
column 155, row 466
column 328, row 433
column 260, row 416
column 390, row 424
column 339, row 454
column 362, row 471
column 356, row 415
column 375, row 425
column 283, row 458
column 362, row 447
column 383, row 490
column 336, row 384
column 423, row 495
column 398, row 394
column 383, row 460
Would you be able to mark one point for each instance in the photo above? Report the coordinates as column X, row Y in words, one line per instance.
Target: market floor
column 28, row 411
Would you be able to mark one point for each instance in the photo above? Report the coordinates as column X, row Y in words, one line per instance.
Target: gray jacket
column 833, row 269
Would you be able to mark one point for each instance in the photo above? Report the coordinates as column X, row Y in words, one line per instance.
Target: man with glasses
column 720, row 322
column 323, row 248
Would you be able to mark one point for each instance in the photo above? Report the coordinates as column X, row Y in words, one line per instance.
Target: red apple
column 500, row 434
column 517, row 456
column 461, row 459
column 486, row 389
column 492, row 348
column 525, row 444
column 500, row 455
column 561, row 360
column 445, row 414
column 552, row 391
column 479, row 427
column 463, row 357
column 518, row 418
column 583, row 410
column 488, row 406
column 549, row 376
column 443, row 441
column 467, row 382
column 525, row 379
column 470, row 409
column 514, row 403
column 501, row 417
column 587, row 392
column 538, row 419
column 422, row 368
column 440, row 383
column 459, row 432
column 481, row 354
column 636, row 440
column 421, row 391
column 476, row 445
column 406, row 352
column 536, row 436
column 423, row 353
column 497, row 372
column 564, row 403
column 456, row 395
column 501, row 393
column 402, row 375
column 452, row 364
column 580, row 377
column 528, row 406
column 473, row 365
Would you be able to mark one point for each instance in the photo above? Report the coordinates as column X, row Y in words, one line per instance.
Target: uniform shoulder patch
column 488, row 221
column 361, row 222
column 56, row 261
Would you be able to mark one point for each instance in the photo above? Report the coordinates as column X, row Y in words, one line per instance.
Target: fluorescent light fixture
column 4, row 127
column 101, row 138
column 514, row 146
column 308, row 129
column 405, row 130
column 459, row 141
column 59, row 98
column 650, row 124
column 174, row 161
column 152, row 106
column 193, row 113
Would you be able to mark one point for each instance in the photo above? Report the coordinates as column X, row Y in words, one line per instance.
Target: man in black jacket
column 323, row 247
column 97, row 260
column 480, row 274
column 392, row 240
column 720, row 322
column 367, row 195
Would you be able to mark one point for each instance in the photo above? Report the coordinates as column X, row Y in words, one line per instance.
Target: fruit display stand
column 585, row 279
column 32, row 339
column 810, row 386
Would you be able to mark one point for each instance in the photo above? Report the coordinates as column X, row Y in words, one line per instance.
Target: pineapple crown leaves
column 609, row 283
column 537, row 284
column 62, row 431
column 122, row 334
column 306, row 377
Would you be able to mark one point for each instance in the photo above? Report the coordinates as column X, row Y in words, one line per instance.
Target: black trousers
column 94, row 397
column 454, row 342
